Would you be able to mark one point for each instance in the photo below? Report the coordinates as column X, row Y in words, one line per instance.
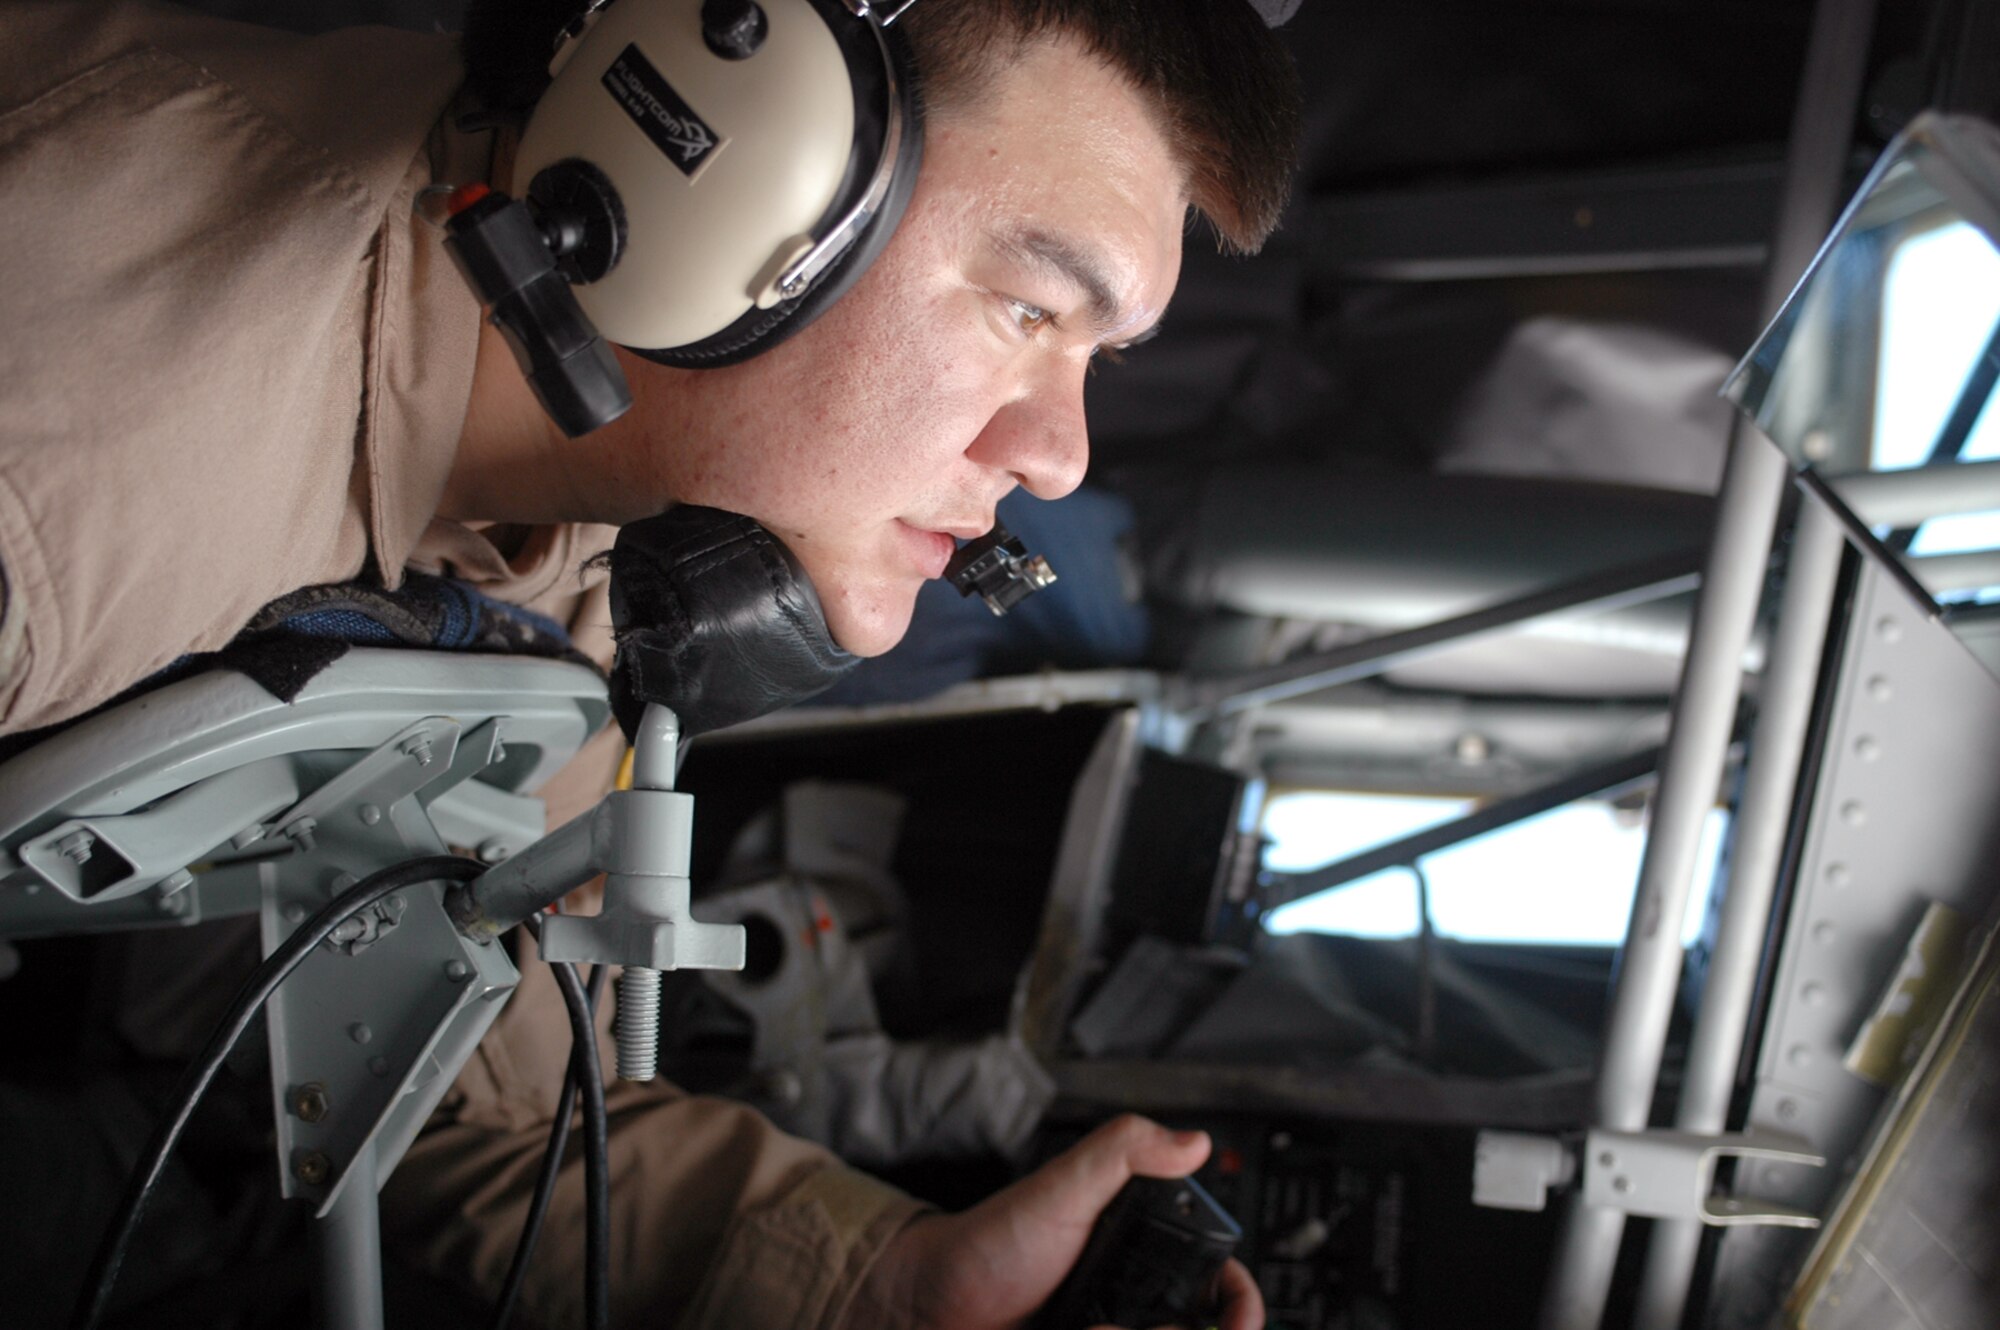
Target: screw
column 360, row 1033
column 492, row 851
column 457, row 971
column 370, row 814
column 419, row 747
column 310, row 1102
column 312, row 1168
column 1621, row 1185
column 294, row 913
column 76, row 846
column 1888, row 629
column 1879, row 689
column 174, row 905
column 638, row 1023
column 1867, row 748
column 300, row 833
column 1838, row 875
column 175, row 881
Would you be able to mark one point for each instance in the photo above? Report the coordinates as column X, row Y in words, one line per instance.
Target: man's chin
column 868, row 623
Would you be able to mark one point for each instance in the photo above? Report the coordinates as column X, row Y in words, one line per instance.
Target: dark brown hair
column 1224, row 89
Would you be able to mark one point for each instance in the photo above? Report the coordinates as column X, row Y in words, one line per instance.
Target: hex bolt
column 312, row 1168
column 76, row 846
column 638, row 1023
column 419, row 747
column 310, row 1102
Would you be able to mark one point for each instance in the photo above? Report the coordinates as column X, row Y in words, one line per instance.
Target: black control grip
column 1151, row 1260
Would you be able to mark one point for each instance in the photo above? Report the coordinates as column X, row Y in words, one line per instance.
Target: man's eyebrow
column 1075, row 264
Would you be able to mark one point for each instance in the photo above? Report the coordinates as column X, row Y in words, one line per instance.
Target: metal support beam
column 1635, row 584
column 1770, row 784
column 348, row 1243
column 1649, row 974
column 1916, row 494
column 1632, row 220
column 1617, row 774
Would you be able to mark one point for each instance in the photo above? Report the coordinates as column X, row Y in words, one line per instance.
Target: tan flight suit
column 234, row 362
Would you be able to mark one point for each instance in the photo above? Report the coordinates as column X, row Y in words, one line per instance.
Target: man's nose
column 1040, row 439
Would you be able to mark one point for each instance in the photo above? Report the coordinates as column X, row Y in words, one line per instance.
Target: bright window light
column 1938, row 298
column 1566, row 876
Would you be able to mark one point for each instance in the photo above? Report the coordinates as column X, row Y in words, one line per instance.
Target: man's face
column 1046, row 224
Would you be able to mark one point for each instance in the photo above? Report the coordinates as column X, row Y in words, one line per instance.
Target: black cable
column 596, row 1152
column 250, row 999
column 545, row 1185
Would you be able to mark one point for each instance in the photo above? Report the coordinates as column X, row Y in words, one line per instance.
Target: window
column 1566, row 876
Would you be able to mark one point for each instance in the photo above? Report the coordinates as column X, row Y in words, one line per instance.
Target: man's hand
column 992, row 1267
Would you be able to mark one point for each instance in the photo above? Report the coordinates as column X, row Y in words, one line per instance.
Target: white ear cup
column 725, row 168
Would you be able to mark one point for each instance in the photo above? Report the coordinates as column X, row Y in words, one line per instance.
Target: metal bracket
column 94, row 860
column 1671, row 1175
column 1659, row 1174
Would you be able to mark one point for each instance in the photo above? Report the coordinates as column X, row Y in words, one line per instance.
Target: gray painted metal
column 1903, row 815
column 1916, row 494
column 1763, row 813
column 1614, row 221
column 347, row 1242
column 1647, row 580
column 1650, row 963
column 1830, row 88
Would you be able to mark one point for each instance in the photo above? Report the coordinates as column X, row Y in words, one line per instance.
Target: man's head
column 1065, row 142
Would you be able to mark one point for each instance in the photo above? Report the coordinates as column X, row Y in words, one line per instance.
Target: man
column 209, row 221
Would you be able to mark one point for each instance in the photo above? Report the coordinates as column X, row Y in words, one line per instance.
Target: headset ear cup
column 760, row 329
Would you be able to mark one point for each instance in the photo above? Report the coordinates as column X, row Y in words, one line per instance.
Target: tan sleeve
column 718, row 1218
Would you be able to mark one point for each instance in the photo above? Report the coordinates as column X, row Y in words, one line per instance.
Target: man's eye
column 1028, row 318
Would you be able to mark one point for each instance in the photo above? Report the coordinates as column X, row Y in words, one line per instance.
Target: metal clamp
column 1659, row 1174
column 1671, row 1175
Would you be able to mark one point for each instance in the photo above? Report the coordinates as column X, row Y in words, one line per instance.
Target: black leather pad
column 715, row 619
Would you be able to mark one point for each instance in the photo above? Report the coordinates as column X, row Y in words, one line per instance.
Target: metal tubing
column 1911, row 496
column 1649, row 973
column 1284, row 888
column 1941, row 574
column 655, row 748
column 1753, row 483
column 1648, row 580
column 1769, row 788
column 528, row 883
column 348, row 1243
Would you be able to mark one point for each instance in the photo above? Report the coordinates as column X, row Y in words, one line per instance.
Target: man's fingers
column 1242, row 1301
column 1078, row 1183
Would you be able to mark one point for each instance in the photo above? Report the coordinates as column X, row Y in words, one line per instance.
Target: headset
column 702, row 179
